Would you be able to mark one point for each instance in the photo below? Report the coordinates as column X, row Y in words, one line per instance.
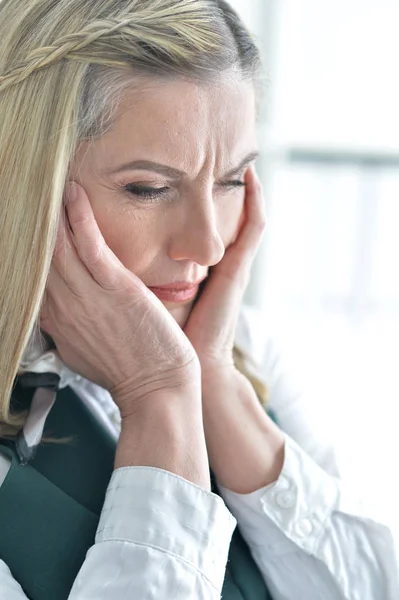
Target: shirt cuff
column 155, row 508
column 299, row 505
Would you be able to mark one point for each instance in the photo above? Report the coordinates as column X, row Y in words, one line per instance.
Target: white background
column 327, row 277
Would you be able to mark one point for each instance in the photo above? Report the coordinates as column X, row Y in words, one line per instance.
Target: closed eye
column 153, row 193
column 234, row 183
column 143, row 191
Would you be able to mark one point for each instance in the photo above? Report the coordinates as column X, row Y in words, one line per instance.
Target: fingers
column 89, row 241
column 229, row 278
column 83, row 249
column 81, row 258
column 252, row 230
column 237, row 262
column 66, row 262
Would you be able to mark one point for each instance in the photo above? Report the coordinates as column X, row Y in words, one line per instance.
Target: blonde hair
column 63, row 67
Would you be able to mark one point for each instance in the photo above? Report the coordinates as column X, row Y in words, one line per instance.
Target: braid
column 64, row 67
column 66, row 47
column 179, row 33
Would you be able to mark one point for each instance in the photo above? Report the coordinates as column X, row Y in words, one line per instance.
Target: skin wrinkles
column 203, row 131
column 170, row 172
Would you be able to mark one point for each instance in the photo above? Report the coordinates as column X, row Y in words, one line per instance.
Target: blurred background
column 326, row 278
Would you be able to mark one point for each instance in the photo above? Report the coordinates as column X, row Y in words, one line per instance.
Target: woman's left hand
column 212, row 321
column 238, row 431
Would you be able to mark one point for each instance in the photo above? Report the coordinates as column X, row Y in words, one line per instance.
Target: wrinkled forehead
column 188, row 125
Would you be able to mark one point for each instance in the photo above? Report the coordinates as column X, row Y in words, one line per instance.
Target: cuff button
column 285, row 499
column 303, row 528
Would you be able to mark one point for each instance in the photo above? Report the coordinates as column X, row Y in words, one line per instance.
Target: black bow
column 35, row 380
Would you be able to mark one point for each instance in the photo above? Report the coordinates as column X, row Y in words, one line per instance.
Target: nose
column 196, row 236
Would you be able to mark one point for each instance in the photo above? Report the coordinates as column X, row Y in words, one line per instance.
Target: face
column 166, row 181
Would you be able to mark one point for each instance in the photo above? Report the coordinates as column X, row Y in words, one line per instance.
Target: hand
column 212, row 322
column 105, row 323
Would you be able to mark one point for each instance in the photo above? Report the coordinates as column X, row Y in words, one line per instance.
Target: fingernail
column 71, row 191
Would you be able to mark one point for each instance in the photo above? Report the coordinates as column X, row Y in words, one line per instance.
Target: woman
column 131, row 214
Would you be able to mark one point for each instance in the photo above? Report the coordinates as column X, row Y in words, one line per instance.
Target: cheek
column 130, row 237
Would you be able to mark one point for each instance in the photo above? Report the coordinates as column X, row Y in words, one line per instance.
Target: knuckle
column 91, row 252
column 78, row 217
column 261, row 224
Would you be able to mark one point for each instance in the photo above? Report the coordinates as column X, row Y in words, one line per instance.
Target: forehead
column 183, row 121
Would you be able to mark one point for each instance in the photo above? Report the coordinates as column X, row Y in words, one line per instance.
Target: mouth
column 177, row 292
column 177, row 296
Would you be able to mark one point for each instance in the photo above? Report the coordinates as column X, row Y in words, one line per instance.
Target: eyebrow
column 148, row 165
column 243, row 164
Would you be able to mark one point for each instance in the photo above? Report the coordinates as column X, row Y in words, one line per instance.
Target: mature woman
column 131, row 425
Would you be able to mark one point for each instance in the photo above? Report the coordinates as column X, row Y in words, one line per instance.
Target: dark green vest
column 50, row 508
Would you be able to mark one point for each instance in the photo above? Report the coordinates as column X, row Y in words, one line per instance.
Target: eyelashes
column 146, row 192
column 153, row 193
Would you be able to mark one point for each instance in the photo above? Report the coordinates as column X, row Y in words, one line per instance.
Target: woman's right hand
column 106, row 324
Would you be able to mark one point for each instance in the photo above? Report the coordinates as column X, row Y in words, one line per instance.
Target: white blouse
column 307, row 533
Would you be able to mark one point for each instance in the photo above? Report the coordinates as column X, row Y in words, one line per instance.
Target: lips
column 178, row 285
column 177, row 296
column 179, row 291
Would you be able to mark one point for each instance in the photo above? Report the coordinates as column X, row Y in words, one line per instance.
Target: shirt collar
column 39, row 358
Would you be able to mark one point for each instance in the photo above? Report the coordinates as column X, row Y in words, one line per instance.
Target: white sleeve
column 309, row 534
column 159, row 537
column 311, row 539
